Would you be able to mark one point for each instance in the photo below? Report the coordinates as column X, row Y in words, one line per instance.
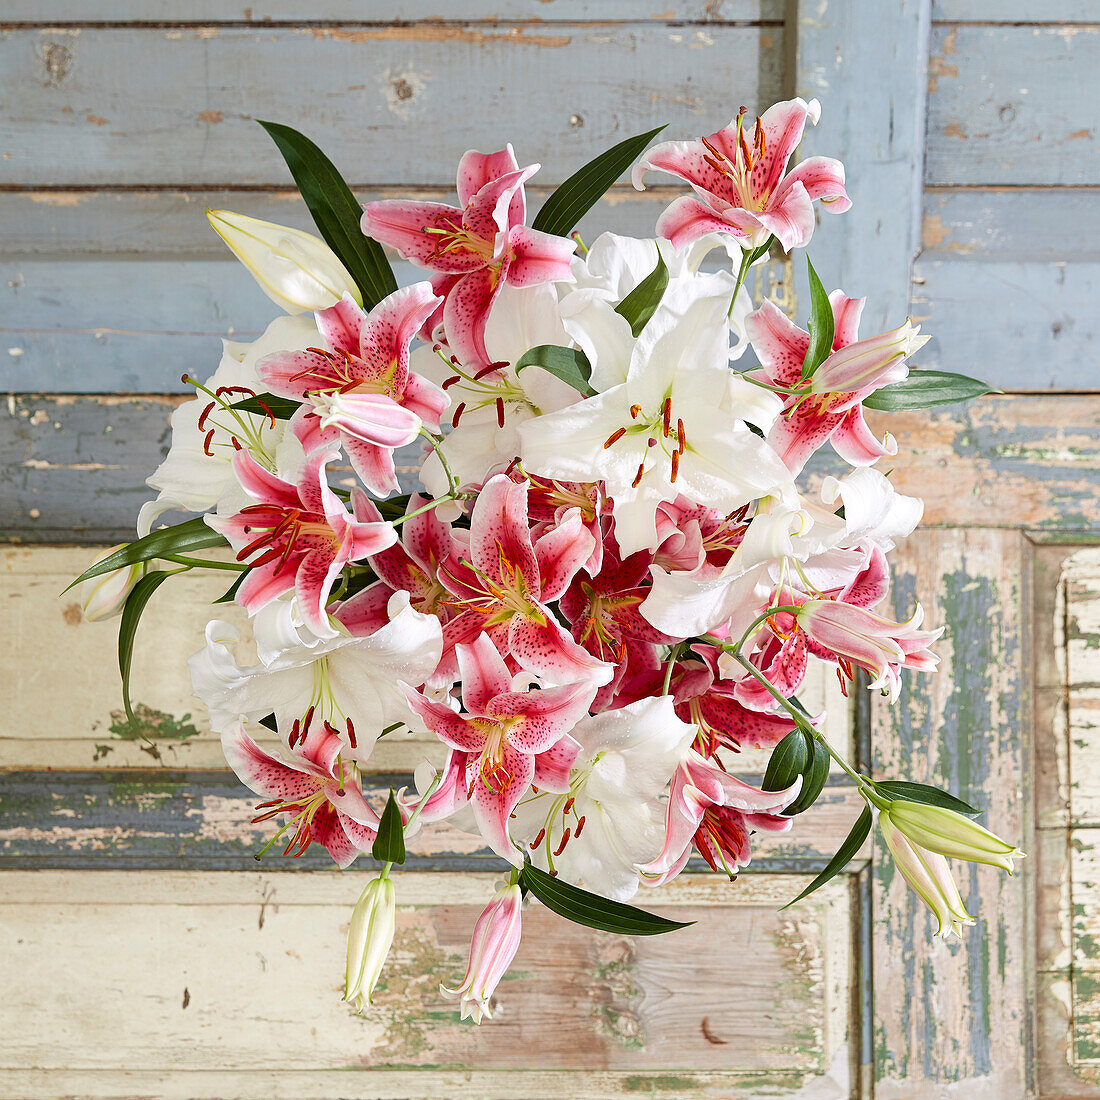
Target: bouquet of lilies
column 606, row 582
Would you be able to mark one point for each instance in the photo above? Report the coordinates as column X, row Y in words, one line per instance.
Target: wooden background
column 147, row 954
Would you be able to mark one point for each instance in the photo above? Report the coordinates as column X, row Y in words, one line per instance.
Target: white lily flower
column 341, row 678
column 874, row 511
column 296, row 270
column 197, row 470
column 486, row 411
column 616, row 814
column 676, row 424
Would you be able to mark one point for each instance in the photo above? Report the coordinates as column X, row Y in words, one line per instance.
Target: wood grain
column 178, row 106
column 282, row 941
column 945, row 1015
column 1017, row 118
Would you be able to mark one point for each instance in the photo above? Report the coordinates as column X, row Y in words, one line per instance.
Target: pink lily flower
column 745, row 189
column 492, row 949
column 303, row 534
column 361, row 393
column 603, row 612
column 706, row 800
column 325, row 800
column 505, row 580
column 409, row 565
column 828, row 406
column 476, row 247
column 549, row 503
column 502, row 730
column 856, row 636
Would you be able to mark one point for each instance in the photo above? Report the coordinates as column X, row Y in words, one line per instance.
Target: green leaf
column 928, row 796
column 268, row 722
column 263, row 404
column 389, row 844
column 192, row 534
column 591, row 910
column 821, row 324
column 787, row 761
column 924, row 388
column 230, row 594
column 642, row 302
column 843, row 857
column 571, row 365
column 336, row 212
column 131, row 616
column 814, row 778
column 578, row 194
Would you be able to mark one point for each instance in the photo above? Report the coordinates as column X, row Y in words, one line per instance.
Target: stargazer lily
column 302, row 536
column 742, row 185
column 827, row 406
column 476, row 247
column 502, row 730
column 318, row 790
column 358, row 391
column 505, row 582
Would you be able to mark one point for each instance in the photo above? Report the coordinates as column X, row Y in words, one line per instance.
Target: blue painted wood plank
column 1024, row 224
column 1015, row 11
column 171, row 223
column 390, row 105
column 261, row 12
column 1013, row 105
column 1021, row 326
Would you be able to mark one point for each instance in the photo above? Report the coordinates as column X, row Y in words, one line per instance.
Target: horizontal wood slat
column 389, row 105
column 1021, row 116
column 1044, row 312
column 165, row 943
column 66, row 223
column 1034, row 225
column 1014, row 11
column 261, row 12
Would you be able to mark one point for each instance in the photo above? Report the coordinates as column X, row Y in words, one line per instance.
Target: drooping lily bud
column 868, row 364
column 930, row 878
column 950, row 834
column 296, row 270
column 104, row 596
column 494, row 945
column 371, row 417
column 370, row 936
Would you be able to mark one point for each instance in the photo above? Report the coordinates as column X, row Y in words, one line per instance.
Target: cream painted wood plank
column 239, row 973
column 75, row 730
column 1081, row 583
column 953, row 1021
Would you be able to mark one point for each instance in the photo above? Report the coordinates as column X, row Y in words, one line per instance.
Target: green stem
column 436, row 442
column 203, row 563
column 742, row 274
column 673, row 657
column 432, row 787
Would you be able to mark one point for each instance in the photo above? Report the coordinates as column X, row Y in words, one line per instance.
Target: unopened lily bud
column 930, row 878
column 371, row 417
column 868, row 364
column 370, row 936
column 492, row 949
column 296, row 270
column 104, row 596
column 951, row 834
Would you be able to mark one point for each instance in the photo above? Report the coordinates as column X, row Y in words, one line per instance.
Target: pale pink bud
column 867, row 365
column 494, row 945
column 370, row 417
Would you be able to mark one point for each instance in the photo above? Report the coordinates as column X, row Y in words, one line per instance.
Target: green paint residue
column 151, row 725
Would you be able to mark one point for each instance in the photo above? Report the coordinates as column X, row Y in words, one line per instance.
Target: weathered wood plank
column 1081, row 582
column 67, row 223
column 1014, row 11
column 1045, row 312
column 53, row 12
column 73, row 468
column 390, row 105
column 1023, row 115
column 1018, row 224
column 203, row 821
column 948, row 1016
column 865, row 61
column 230, row 967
